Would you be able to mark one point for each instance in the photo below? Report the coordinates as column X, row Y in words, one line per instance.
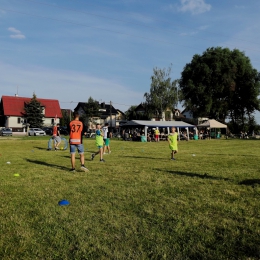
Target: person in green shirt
column 173, row 142
column 99, row 143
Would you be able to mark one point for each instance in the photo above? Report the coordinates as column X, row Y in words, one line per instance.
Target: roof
column 212, row 123
column 14, row 106
column 157, row 123
column 103, row 106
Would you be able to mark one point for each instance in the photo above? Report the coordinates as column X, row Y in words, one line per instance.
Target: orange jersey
column 55, row 130
column 76, row 128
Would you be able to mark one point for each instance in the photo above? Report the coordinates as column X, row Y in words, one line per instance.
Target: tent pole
column 178, row 133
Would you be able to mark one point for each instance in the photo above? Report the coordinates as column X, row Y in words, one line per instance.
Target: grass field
column 137, row 205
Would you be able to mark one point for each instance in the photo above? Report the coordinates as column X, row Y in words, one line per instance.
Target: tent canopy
column 138, row 123
column 212, row 123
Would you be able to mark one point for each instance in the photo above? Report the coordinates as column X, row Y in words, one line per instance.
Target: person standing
column 157, row 132
column 173, row 143
column 107, row 134
column 99, row 143
column 56, row 136
column 76, row 130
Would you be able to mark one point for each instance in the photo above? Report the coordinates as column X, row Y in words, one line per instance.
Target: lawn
column 137, row 205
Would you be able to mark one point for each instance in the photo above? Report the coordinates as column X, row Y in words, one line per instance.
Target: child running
column 173, row 143
column 99, row 144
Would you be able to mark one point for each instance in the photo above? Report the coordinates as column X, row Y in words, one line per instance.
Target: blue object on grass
column 63, row 203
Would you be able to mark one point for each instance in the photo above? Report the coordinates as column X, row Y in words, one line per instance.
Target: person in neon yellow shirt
column 99, row 143
column 157, row 133
column 173, row 142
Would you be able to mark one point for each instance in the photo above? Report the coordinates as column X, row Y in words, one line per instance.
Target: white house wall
column 12, row 122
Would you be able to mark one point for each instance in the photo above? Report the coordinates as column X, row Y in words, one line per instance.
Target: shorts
column 99, row 146
column 57, row 139
column 107, row 141
column 78, row 147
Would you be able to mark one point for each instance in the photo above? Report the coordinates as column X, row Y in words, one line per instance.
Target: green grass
column 136, row 205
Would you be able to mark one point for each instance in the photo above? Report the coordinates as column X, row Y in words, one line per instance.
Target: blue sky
column 73, row 49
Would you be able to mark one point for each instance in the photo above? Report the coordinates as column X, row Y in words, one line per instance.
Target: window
column 19, row 120
column 52, row 120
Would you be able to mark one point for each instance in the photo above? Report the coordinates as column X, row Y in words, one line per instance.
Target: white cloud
column 12, row 29
column 17, row 34
column 194, row 6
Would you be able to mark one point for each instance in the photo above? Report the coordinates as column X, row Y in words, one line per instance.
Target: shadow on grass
column 87, row 157
column 202, row 176
column 250, row 182
column 40, row 148
column 48, row 164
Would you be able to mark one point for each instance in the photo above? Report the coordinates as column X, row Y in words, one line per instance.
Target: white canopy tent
column 212, row 123
column 157, row 124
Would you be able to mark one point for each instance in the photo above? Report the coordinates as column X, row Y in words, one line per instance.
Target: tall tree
column 33, row 112
column 66, row 117
column 132, row 114
column 220, row 83
column 163, row 92
column 91, row 109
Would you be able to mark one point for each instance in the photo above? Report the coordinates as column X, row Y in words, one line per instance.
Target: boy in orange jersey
column 76, row 130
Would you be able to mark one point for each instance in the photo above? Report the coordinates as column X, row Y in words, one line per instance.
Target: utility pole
column 111, row 125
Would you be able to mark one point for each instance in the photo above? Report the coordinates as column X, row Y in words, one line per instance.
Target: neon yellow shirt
column 172, row 137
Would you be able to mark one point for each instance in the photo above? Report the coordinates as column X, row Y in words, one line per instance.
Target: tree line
column 220, row 84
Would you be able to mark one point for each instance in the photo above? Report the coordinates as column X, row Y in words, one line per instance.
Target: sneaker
column 72, row 170
column 173, row 159
column 104, row 153
column 57, row 148
column 110, row 152
column 102, row 160
column 83, row 168
column 92, row 156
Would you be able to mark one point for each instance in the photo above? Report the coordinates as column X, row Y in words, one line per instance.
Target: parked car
column 6, row 132
column 36, row 131
column 63, row 130
column 47, row 130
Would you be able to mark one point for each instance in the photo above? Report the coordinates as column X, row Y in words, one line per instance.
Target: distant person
column 76, row 130
column 173, row 142
column 56, row 136
column 99, row 143
column 107, row 134
column 157, row 133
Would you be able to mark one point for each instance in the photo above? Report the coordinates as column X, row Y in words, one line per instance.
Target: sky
column 71, row 50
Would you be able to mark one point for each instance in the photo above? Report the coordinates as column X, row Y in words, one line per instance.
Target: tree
column 220, row 83
column 66, row 117
column 132, row 114
column 163, row 92
column 91, row 109
column 33, row 112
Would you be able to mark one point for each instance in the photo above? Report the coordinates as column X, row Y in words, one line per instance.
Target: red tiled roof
column 14, row 106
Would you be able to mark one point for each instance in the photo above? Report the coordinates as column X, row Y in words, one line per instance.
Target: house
column 12, row 112
column 189, row 117
column 167, row 115
column 108, row 114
